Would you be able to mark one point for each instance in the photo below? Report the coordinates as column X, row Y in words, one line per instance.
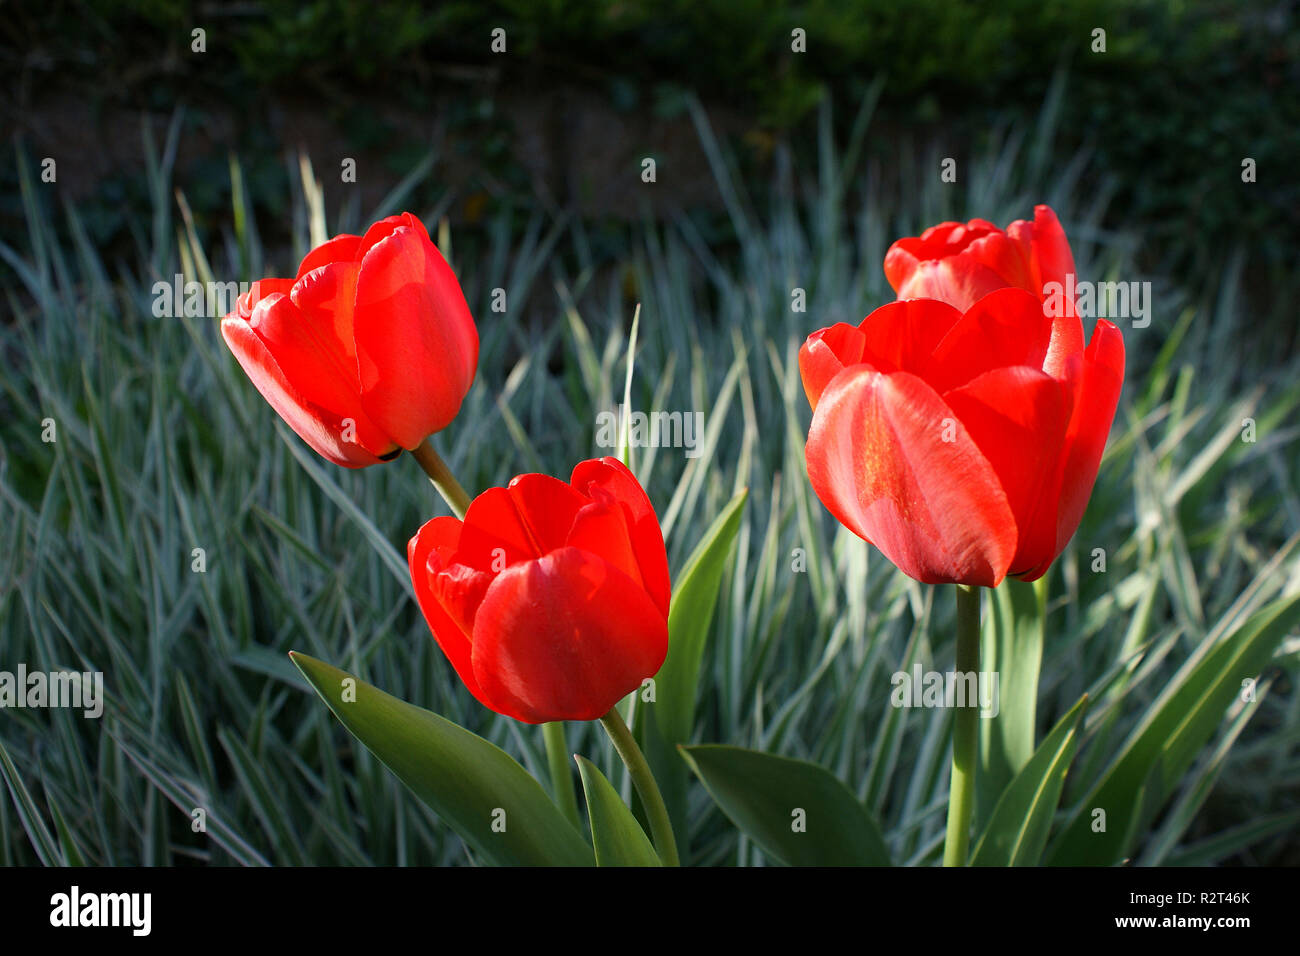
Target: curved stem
column 557, row 759
column 452, row 493
column 661, row 827
column 965, row 732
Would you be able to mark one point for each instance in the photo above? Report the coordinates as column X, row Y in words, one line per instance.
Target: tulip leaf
column 695, row 596
column 667, row 722
column 1165, row 742
column 619, row 839
column 477, row 789
column 1011, row 647
column 1017, row 832
column 796, row 811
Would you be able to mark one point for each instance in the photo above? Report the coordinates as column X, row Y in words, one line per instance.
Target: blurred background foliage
column 1183, row 92
column 777, row 170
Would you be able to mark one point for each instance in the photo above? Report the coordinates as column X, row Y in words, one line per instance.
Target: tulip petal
column 825, row 354
column 428, row 553
column 321, row 428
column 342, row 248
column 1097, row 398
column 417, row 346
column 611, row 475
column 878, row 459
column 1054, row 261
column 305, row 347
column 326, row 296
column 505, row 526
column 601, row 528
column 957, row 280
column 1006, row 327
column 547, row 507
column 1018, row 418
column 259, row 290
column 565, row 637
column 384, row 228
column 1010, row 259
column 901, row 336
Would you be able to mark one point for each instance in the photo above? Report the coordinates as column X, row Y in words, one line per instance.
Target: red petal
column 825, row 354
column 1096, row 400
column 957, row 280
column 342, row 248
column 565, row 637
column 601, row 528
column 1006, row 327
column 385, row 227
column 427, row 553
column 877, row 459
column 327, row 295
column 416, row 342
column 505, row 526
column 901, row 336
column 1007, row 257
column 647, row 537
column 1054, row 261
column 1018, row 418
column 258, row 291
column 319, row 427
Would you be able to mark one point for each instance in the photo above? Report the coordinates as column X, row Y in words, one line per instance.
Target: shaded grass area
column 163, row 447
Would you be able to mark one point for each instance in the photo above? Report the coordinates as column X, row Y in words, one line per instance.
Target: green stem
column 965, row 733
column 452, row 493
column 661, row 828
column 557, row 757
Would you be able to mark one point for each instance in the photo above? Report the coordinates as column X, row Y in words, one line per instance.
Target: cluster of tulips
column 958, row 429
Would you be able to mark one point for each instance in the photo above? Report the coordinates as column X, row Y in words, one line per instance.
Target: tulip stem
column 442, row 478
column 965, row 732
column 961, row 794
column 661, row 827
column 557, row 757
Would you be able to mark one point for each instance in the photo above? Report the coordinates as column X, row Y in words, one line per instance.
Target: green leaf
column 619, row 839
column 1017, row 832
column 695, row 596
column 1164, row 744
column 470, row 783
column 1011, row 646
column 662, row 725
column 762, row 794
column 28, row 815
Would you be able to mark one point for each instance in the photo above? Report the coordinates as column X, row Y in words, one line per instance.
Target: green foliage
column 163, row 447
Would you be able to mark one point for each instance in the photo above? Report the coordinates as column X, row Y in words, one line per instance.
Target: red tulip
column 550, row 600
column 963, row 445
column 960, row 264
column 368, row 350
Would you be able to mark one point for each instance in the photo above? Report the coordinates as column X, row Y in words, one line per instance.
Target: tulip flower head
column 549, row 599
column 961, row 263
column 963, row 441
column 368, row 350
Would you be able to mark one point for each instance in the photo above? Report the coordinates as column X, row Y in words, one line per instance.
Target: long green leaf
column 1017, row 831
column 1012, row 647
column 695, row 597
column 662, row 725
column 478, row 789
column 798, row 812
column 618, row 838
column 1165, row 743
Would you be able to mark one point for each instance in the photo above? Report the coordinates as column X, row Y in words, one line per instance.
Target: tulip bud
column 368, row 350
column 549, row 599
